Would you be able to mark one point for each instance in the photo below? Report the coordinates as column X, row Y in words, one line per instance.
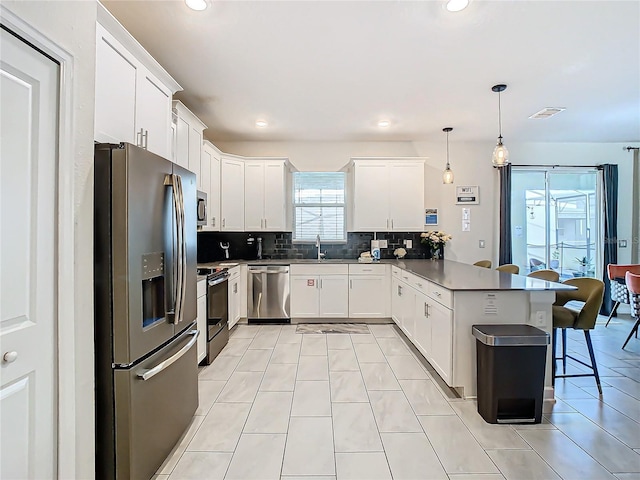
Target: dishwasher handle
column 269, row 269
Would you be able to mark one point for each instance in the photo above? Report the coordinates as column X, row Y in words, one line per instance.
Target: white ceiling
column 329, row 70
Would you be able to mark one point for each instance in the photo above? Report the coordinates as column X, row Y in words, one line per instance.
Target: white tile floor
column 281, row 405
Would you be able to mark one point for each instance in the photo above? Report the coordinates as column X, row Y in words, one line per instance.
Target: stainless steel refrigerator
column 145, row 309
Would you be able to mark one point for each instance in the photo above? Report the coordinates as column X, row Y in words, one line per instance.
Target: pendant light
column 447, row 175
column 500, row 153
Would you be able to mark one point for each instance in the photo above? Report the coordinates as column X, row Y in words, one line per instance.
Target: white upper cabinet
column 232, row 194
column 265, row 195
column 133, row 92
column 210, row 170
column 388, row 195
column 188, row 141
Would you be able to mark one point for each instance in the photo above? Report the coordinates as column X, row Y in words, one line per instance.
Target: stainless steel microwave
column 202, row 208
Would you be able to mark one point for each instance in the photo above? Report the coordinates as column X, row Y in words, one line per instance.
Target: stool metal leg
column 633, row 330
column 587, row 337
column 564, row 350
column 613, row 312
column 553, row 347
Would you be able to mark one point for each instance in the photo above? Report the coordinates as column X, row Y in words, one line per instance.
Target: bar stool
column 590, row 291
column 483, row 263
column 633, row 286
column 548, row 275
column 509, row 268
column 619, row 293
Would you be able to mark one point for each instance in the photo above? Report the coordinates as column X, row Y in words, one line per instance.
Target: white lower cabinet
column 319, row 291
column 201, row 319
column 234, row 297
column 441, row 340
column 368, row 291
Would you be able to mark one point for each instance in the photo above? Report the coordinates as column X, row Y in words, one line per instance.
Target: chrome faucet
column 320, row 255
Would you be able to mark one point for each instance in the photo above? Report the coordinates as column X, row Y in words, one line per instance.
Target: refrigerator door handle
column 175, row 182
column 146, row 374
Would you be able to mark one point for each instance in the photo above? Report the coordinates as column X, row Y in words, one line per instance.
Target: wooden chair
column 590, row 291
column 619, row 293
column 633, row 286
column 548, row 275
column 483, row 263
column 509, row 268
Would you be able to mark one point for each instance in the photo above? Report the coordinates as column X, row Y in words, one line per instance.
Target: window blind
column 319, row 206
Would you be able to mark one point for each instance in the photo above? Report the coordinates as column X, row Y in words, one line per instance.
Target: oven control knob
column 10, row 357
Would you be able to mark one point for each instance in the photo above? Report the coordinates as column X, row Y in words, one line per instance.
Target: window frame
column 295, row 205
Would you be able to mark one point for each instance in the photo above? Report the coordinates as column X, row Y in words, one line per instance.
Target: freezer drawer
column 152, row 410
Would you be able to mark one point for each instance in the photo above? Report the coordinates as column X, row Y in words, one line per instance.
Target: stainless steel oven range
column 217, row 311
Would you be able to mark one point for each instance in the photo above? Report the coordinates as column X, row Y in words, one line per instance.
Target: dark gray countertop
column 451, row 275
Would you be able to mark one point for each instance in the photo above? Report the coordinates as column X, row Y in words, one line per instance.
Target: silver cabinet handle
column 387, row 224
column 320, row 283
column 426, row 310
column 438, row 294
column 392, row 224
column 261, row 220
column 152, row 372
column 351, row 284
column 419, row 284
column 223, row 222
column 399, row 290
column 145, row 138
column 265, row 223
column 213, row 221
column 235, row 288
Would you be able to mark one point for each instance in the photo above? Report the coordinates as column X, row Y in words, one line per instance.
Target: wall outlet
column 408, row 243
column 541, row 318
column 622, row 243
column 481, row 243
column 383, row 244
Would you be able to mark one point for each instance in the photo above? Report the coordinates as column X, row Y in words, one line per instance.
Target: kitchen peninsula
column 435, row 304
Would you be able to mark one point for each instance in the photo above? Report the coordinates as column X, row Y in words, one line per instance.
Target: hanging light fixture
column 500, row 153
column 447, row 175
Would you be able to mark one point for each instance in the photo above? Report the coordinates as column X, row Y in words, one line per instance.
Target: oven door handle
column 218, row 281
column 152, row 372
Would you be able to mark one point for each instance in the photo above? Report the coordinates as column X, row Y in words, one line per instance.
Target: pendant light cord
column 499, row 115
column 447, row 150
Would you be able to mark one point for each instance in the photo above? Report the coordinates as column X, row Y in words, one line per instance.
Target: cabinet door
column 153, row 114
column 232, row 195
column 182, row 143
column 407, row 308
column 371, row 197
column 116, row 74
column 204, row 179
column 334, row 296
column 406, row 196
column 396, row 311
column 367, row 296
column 422, row 337
column 254, row 196
column 305, row 296
column 275, row 195
column 195, row 150
column 234, row 302
column 441, row 340
column 213, row 199
column 201, row 320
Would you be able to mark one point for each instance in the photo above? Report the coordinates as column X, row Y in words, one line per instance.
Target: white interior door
column 28, row 127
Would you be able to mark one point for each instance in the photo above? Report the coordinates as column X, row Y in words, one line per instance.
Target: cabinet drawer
column 420, row 284
column 316, row 269
column 395, row 272
column 440, row 294
column 234, row 273
column 201, row 287
column 367, row 269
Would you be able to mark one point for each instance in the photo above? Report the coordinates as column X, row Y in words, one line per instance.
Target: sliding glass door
column 556, row 220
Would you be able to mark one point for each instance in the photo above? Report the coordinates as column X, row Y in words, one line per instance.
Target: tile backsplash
column 279, row 245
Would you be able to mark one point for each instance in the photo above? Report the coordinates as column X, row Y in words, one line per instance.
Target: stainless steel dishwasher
column 268, row 294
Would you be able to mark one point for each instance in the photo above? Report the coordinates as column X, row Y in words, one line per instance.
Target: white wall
column 471, row 164
column 71, row 25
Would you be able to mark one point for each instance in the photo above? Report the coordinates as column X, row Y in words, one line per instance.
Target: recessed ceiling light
column 456, row 5
column 548, row 112
column 197, row 5
column 384, row 123
column 261, row 123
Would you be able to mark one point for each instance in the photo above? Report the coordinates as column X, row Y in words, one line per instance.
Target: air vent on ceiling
column 547, row 112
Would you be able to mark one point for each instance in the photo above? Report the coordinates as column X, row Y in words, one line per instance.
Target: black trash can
column 511, row 365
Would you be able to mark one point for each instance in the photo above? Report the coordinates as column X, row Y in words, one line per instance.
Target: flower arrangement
column 435, row 240
column 400, row 252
